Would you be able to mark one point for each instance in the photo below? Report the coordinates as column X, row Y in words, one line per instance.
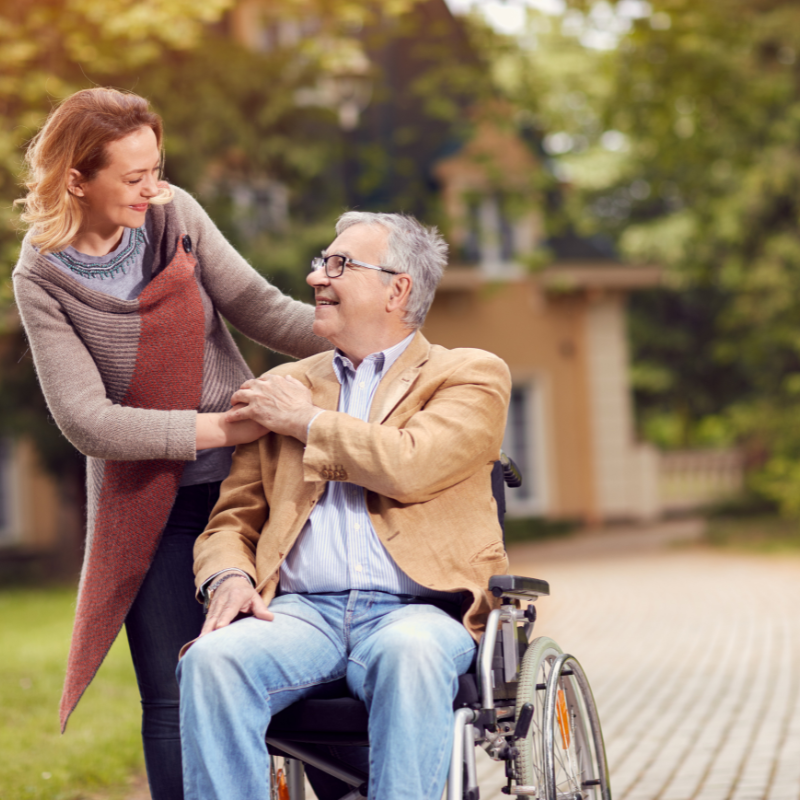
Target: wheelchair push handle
column 511, row 473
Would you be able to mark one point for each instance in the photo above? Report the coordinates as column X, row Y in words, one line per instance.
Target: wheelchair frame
column 534, row 709
column 536, row 713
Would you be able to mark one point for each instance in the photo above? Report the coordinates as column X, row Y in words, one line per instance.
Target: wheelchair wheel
column 537, row 664
column 574, row 754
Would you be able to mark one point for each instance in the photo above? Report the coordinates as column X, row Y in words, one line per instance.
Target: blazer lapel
column 324, row 385
column 397, row 383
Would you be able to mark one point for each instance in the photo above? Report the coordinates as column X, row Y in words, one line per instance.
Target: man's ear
column 400, row 289
column 75, row 183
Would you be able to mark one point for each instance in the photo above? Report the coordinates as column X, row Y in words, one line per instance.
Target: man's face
column 351, row 309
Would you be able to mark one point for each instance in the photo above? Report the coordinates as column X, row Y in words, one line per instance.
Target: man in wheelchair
column 356, row 539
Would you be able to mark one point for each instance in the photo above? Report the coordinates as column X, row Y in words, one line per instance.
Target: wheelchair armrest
column 518, row 586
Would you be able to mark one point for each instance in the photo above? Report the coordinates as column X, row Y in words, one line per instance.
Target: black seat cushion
column 343, row 719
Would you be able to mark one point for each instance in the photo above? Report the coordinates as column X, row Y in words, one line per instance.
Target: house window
column 522, row 442
column 505, row 229
column 472, row 240
column 260, row 206
column 489, row 238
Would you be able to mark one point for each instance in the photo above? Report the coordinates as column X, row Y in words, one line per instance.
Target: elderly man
column 358, row 536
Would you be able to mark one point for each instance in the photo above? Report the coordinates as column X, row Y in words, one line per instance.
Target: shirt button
column 358, row 527
column 358, row 567
column 361, row 385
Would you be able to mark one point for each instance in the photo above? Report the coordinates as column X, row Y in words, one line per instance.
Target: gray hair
column 412, row 248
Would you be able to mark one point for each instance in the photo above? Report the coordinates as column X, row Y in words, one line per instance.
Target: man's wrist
column 217, row 579
column 317, row 412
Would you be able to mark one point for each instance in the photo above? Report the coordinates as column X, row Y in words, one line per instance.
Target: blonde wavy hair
column 76, row 136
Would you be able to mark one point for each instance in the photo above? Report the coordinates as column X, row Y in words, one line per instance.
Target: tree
column 707, row 96
column 235, row 118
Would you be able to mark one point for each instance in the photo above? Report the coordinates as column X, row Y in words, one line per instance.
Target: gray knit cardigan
column 124, row 381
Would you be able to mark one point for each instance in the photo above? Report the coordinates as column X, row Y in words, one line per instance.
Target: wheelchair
column 525, row 702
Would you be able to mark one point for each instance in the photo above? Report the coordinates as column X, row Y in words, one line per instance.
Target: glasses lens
column 334, row 266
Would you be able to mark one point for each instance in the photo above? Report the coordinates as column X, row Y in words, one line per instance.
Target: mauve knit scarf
column 137, row 496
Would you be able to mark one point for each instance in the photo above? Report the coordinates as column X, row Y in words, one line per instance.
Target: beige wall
column 537, row 337
column 36, row 510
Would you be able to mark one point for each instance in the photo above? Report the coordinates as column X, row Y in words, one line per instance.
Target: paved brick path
column 693, row 656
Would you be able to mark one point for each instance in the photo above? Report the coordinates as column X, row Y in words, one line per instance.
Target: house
column 560, row 328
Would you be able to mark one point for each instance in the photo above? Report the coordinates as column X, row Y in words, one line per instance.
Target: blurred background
column 618, row 182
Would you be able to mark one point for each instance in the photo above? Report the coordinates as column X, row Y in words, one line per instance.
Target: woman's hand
column 283, row 404
column 215, row 430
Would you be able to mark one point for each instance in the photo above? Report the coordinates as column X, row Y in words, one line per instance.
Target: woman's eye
column 138, row 180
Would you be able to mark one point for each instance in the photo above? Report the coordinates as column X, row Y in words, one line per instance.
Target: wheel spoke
column 575, row 730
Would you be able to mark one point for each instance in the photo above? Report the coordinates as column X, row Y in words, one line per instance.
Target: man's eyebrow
column 344, row 253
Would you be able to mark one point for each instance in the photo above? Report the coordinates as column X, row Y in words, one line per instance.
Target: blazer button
column 187, row 244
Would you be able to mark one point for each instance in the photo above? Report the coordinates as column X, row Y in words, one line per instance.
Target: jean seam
column 456, row 656
column 306, row 685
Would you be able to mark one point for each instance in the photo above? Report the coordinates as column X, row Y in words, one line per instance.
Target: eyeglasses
column 334, row 265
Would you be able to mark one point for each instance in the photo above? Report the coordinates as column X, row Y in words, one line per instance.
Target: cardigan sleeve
column 246, row 299
column 76, row 395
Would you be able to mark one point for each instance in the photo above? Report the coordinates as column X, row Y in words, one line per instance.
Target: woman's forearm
column 214, row 431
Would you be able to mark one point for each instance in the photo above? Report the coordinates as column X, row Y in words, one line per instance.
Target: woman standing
column 122, row 283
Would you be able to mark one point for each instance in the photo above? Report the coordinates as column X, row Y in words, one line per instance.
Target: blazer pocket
column 494, row 551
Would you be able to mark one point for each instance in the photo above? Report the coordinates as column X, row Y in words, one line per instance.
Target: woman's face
column 119, row 195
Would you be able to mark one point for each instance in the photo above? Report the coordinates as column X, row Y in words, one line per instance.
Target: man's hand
column 280, row 404
column 235, row 596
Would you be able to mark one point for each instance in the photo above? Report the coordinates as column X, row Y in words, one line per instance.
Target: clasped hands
column 279, row 404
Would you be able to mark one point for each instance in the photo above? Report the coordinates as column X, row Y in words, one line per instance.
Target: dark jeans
column 164, row 616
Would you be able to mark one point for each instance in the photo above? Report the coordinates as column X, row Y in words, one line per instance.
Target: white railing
column 691, row 479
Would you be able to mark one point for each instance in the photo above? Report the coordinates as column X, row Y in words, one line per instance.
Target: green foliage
column 682, row 143
column 102, row 746
column 767, row 534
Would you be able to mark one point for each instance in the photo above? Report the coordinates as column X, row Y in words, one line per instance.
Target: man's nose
column 317, row 277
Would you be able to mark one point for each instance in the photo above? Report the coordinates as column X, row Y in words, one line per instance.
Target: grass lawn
column 101, row 748
column 755, row 534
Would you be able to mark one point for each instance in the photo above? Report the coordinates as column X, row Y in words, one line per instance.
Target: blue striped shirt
column 338, row 549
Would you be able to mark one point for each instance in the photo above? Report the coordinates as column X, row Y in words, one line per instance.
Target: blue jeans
column 163, row 617
column 400, row 657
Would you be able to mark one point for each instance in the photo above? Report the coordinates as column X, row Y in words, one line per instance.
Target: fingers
column 234, row 597
column 241, row 412
column 258, row 608
column 241, row 397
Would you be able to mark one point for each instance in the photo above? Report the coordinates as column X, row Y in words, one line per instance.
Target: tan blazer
column 424, row 460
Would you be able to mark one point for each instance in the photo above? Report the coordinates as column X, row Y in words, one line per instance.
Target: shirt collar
column 384, row 359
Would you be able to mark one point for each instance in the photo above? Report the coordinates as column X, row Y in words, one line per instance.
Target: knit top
column 124, row 273
column 124, row 381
